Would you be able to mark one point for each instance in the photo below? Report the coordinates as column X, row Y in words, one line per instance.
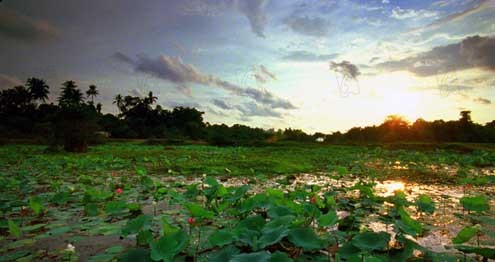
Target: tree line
column 75, row 120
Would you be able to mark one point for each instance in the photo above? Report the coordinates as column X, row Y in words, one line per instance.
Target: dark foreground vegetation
column 75, row 121
column 138, row 202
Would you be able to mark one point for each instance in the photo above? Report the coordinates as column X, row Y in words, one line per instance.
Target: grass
column 203, row 159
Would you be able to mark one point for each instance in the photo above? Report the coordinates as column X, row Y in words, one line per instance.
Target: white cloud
column 401, row 14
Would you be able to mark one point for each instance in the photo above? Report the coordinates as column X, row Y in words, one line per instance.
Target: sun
column 397, row 96
column 402, row 103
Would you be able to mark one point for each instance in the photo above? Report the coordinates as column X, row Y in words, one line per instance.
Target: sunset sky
column 315, row 65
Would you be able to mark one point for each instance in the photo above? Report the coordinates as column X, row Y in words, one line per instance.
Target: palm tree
column 98, row 108
column 70, row 95
column 92, row 92
column 150, row 99
column 119, row 101
column 38, row 89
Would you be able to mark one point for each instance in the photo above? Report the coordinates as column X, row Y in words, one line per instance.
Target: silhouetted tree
column 70, row 96
column 119, row 101
column 98, row 108
column 76, row 121
column 38, row 89
column 394, row 128
column 92, row 92
column 150, row 99
column 465, row 117
column 15, row 100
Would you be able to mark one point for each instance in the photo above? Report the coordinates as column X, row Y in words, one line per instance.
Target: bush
column 75, row 127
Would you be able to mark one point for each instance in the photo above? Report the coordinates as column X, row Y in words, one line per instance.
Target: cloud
column 255, row 12
column 172, row 69
column 122, row 58
column 481, row 5
column 137, row 92
column 221, row 104
column 308, row 26
column 220, row 113
column 202, row 7
column 346, row 68
column 401, row 14
column 7, row 82
column 442, row 3
column 19, row 27
column 254, row 109
column 265, row 71
column 305, row 56
column 482, row 100
column 262, row 74
column 374, row 59
column 471, row 52
column 244, row 119
column 249, row 109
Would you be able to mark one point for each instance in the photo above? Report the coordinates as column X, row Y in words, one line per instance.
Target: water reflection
column 443, row 225
column 388, row 188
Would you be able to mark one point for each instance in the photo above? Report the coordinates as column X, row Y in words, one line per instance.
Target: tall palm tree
column 38, row 89
column 119, row 101
column 70, row 95
column 92, row 92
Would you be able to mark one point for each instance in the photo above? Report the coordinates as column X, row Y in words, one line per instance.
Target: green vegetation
column 76, row 122
column 137, row 202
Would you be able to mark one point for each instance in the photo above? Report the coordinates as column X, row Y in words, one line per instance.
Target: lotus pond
column 136, row 202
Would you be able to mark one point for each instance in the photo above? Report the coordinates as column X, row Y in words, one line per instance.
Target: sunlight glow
column 389, row 187
column 396, row 95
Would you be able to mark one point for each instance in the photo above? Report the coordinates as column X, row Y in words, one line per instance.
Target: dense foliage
column 134, row 202
column 24, row 113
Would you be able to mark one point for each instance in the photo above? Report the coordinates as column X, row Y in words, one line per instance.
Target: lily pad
column 305, row 238
column 261, row 256
column 465, row 235
column 371, row 241
column 476, row 203
column 221, row 238
column 168, row 246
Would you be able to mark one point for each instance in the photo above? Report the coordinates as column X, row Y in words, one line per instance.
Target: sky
column 315, row 65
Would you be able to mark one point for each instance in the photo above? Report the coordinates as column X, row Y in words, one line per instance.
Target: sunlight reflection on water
column 388, row 188
column 444, row 225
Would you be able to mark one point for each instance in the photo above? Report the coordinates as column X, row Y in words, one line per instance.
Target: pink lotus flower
column 119, row 190
column 313, row 200
column 191, row 220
